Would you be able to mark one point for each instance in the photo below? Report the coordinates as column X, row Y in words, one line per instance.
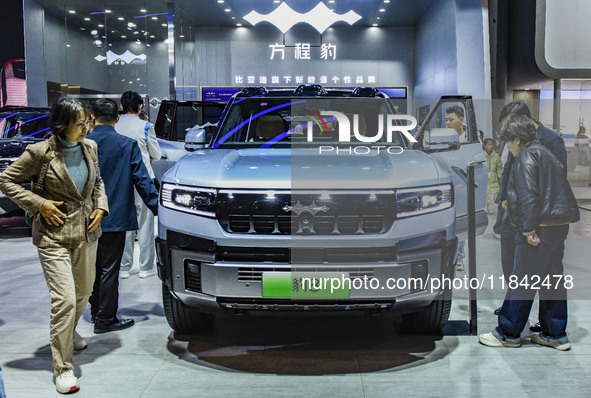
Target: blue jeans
column 2, row 392
column 461, row 250
column 535, row 264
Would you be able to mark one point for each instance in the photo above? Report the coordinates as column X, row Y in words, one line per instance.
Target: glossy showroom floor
column 303, row 356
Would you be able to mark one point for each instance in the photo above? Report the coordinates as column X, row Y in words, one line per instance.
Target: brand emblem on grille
column 299, row 208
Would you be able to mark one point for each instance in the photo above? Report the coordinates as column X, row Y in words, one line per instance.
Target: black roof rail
column 311, row 89
column 252, row 91
column 365, row 92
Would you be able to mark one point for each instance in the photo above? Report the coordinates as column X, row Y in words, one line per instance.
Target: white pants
column 145, row 220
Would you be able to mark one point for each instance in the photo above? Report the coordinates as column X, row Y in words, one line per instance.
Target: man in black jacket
column 540, row 205
column 122, row 169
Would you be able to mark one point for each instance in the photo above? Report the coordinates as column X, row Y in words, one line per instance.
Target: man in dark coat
column 122, row 169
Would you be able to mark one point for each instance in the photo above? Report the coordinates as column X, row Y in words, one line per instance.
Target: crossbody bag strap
column 543, row 148
column 38, row 185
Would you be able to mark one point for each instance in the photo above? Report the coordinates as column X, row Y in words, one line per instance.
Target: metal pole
column 472, row 249
column 171, row 60
column 556, row 112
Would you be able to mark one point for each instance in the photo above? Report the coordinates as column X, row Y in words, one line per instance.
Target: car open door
column 457, row 156
column 175, row 119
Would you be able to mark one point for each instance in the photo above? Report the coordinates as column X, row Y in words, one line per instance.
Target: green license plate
column 306, row 285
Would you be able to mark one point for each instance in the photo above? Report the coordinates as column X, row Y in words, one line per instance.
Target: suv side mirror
column 441, row 139
column 196, row 139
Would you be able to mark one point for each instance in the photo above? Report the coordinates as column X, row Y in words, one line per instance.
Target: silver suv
column 317, row 200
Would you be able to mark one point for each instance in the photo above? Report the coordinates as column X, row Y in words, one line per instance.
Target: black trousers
column 104, row 300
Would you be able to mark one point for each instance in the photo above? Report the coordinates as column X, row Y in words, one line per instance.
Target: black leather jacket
column 538, row 192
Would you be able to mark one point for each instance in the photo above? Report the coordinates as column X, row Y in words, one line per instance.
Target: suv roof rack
column 312, row 90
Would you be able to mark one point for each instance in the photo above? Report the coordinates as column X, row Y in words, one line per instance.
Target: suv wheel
column 432, row 319
column 183, row 319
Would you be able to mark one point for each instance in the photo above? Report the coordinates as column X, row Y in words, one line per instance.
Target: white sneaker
column 79, row 342
column 490, row 340
column 123, row 274
column 561, row 343
column 66, row 382
column 460, row 265
column 147, row 274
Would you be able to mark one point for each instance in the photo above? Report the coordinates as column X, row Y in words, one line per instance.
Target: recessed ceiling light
column 101, row 25
column 82, row 28
column 238, row 24
column 164, row 24
column 121, row 18
column 72, row 11
column 227, row 10
column 110, row 45
column 386, row 1
column 94, row 32
column 379, row 18
column 331, row 1
column 87, row 19
column 67, row 45
column 154, row 17
column 136, row 32
column 220, row 1
column 382, row 10
column 181, row 36
column 152, row 37
column 143, row 10
column 123, row 37
column 107, row 11
column 233, row 17
column 276, row 1
column 375, row 24
column 138, row 79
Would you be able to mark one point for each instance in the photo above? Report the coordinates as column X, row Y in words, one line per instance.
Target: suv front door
column 457, row 158
column 175, row 119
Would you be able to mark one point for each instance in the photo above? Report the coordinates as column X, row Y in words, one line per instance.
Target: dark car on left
column 19, row 127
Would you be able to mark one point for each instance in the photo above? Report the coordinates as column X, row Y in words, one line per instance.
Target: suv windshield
column 283, row 121
column 19, row 125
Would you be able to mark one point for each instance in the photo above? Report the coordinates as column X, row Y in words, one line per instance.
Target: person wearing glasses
column 68, row 202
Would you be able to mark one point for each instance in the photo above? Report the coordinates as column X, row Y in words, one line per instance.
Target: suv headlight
column 194, row 200
column 417, row 201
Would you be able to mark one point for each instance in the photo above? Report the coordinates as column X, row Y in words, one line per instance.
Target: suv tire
column 183, row 319
column 432, row 319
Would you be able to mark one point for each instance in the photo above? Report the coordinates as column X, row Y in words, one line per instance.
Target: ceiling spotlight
column 121, row 18
column 386, row 1
column 238, row 24
column 94, row 32
column 332, row 1
column 138, row 79
column 382, row 10
column 227, row 10
column 123, row 37
column 136, row 32
column 67, row 45
column 101, row 25
column 110, row 45
column 107, row 11
column 181, row 36
column 152, row 37
column 164, row 25
column 87, row 19
column 220, row 1
column 233, row 17
column 155, row 18
column 98, row 42
column 375, row 24
column 143, row 10
column 72, row 11
column 82, row 28
column 276, row 1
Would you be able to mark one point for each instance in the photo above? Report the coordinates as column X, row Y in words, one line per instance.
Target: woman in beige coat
column 68, row 205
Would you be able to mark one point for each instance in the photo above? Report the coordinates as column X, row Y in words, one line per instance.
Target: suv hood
column 304, row 169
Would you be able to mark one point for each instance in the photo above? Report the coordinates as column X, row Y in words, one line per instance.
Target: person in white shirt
column 130, row 125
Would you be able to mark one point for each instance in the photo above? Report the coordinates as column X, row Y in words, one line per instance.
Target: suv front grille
column 306, row 213
column 306, row 255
